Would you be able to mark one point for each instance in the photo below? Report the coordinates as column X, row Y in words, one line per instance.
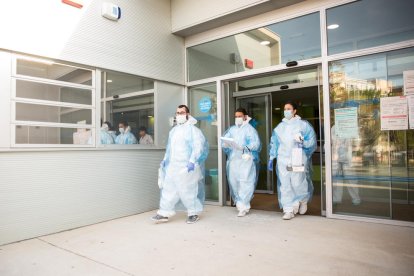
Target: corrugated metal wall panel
column 48, row 192
column 140, row 43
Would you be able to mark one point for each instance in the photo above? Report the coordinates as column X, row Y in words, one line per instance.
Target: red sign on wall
column 248, row 63
column 76, row 3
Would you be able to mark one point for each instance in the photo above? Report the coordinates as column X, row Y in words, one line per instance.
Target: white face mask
column 288, row 114
column 121, row 130
column 181, row 119
column 105, row 127
column 238, row 121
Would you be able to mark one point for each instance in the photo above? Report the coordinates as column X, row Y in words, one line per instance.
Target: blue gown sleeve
column 227, row 134
column 274, row 145
column 309, row 139
column 199, row 151
column 252, row 140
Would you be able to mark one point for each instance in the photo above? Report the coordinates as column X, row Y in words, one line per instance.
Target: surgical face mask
column 288, row 114
column 238, row 121
column 121, row 130
column 181, row 119
column 105, row 127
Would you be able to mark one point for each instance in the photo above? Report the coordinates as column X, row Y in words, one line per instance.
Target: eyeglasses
column 181, row 113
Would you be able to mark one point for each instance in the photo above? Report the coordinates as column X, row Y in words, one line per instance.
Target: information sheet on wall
column 394, row 113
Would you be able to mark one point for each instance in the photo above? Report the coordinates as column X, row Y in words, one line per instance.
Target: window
column 292, row 40
column 372, row 165
column 369, row 23
column 53, row 104
column 128, row 106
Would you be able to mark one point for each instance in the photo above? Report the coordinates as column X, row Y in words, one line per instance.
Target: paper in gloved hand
column 231, row 143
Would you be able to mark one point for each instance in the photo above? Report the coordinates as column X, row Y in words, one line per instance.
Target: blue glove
column 162, row 164
column 190, row 166
column 270, row 165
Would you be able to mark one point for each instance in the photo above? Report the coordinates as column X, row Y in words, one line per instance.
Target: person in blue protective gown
column 291, row 136
column 105, row 135
column 242, row 160
column 125, row 136
column 182, row 169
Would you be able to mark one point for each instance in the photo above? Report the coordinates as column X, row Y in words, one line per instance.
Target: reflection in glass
column 52, row 114
column 52, row 135
column 116, row 83
column 373, row 23
column 48, row 92
column 373, row 166
column 53, row 71
column 294, row 39
column 203, row 107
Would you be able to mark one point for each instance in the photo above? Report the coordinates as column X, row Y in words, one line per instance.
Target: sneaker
column 296, row 209
column 157, row 218
column 303, row 208
column 193, row 219
column 242, row 213
column 288, row 215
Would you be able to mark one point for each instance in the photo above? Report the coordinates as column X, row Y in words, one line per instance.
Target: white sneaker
column 242, row 213
column 303, row 208
column 296, row 209
column 288, row 215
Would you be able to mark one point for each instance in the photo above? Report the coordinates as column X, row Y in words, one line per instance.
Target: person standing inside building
column 183, row 164
column 105, row 135
column 341, row 165
column 292, row 144
column 125, row 136
column 241, row 144
column 144, row 138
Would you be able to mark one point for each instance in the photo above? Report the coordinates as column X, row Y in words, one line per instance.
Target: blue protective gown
column 293, row 187
column 186, row 143
column 242, row 174
column 126, row 138
column 106, row 137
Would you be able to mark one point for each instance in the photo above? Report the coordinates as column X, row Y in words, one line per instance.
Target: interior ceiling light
column 108, row 80
column 333, row 26
column 264, row 42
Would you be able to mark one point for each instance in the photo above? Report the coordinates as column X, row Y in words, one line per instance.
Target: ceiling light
column 108, row 80
column 333, row 26
column 264, row 42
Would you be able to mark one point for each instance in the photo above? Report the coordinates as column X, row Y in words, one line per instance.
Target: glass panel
column 295, row 39
column 370, row 167
column 137, row 112
column 53, row 71
column 48, row 92
column 52, row 135
column 373, row 23
column 52, row 114
column 203, row 106
column 303, row 76
column 119, row 83
column 257, row 109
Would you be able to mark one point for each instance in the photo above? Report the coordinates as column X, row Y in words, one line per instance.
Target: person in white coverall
column 183, row 169
column 295, row 188
column 242, row 160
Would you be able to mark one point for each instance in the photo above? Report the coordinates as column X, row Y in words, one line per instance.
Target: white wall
column 140, row 43
column 69, row 189
column 187, row 13
column 5, row 95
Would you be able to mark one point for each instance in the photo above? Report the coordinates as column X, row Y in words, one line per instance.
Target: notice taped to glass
column 346, row 122
column 408, row 82
column 394, row 113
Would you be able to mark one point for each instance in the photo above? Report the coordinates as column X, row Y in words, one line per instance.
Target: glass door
column 258, row 108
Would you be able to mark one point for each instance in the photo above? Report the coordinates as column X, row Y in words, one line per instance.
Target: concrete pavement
column 219, row 244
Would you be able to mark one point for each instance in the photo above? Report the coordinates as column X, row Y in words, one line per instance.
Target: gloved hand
column 298, row 138
column 190, row 166
column 162, row 164
column 270, row 165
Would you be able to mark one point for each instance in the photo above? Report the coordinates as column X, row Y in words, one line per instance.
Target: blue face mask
column 288, row 114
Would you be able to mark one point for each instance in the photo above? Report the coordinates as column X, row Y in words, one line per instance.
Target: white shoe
column 242, row 213
column 303, row 207
column 296, row 209
column 288, row 215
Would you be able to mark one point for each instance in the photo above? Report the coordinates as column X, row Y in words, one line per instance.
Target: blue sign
column 205, row 104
